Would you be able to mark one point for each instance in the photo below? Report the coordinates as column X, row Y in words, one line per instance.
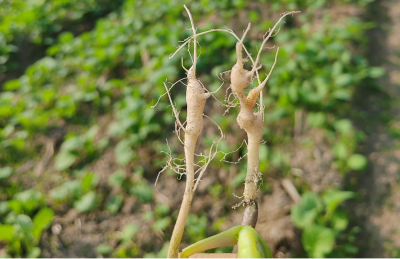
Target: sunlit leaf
column 318, row 241
column 41, row 221
column 162, row 224
column 143, row 191
column 104, row 249
column 6, row 232
column 357, row 162
column 333, row 198
column 5, row 172
column 304, row 213
column 88, row 202
column 64, row 160
column 128, row 232
column 116, row 179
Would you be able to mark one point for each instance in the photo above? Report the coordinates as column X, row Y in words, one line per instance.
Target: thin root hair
column 240, row 158
column 159, row 98
column 171, row 164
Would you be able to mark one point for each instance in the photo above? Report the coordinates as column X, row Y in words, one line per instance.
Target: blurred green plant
column 95, row 79
column 25, row 22
column 322, row 223
column 23, row 218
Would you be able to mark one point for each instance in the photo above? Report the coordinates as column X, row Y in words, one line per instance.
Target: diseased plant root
column 196, row 97
column 250, row 121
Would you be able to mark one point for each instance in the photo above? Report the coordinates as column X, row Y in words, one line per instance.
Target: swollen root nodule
column 252, row 123
column 196, row 98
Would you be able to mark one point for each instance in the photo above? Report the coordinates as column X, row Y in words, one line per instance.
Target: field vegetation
column 84, row 132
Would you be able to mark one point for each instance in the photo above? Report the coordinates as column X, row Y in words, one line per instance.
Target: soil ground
column 378, row 207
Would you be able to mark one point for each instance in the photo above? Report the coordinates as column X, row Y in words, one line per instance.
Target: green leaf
column 333, row 198
column 104, row 249
column 91, row 133
column 25, row 222
column 349, row 248
column 318, row 241
column 65, row 37
column 143, row 191
column 4, row 207
column 147, row 216
column 6, row 232
column 114, row 204
column 340, row 150
column 196, row 227
column 5, row 172
column 339, row 221
column 150, row 255
column 376, row 72
column 344, row 126
column 123, row 152
column 15, row 206
column 342, row 94
column 72, row 144
column 343, row 80
column 305, row 212
column 88, row 203
column 162, row 224
column 24, row 225
column 164, row 251
column 357, row 162
column 238, row 179
column 59, row 193
column 162, row 210
column 74, row 188
column 41, row 221
column 89, row 181
column 316, row 119
column 64, row 160
column 30, row 199
column 34, row 253
column 12, row 85
column 117, row 178
column 128, row 232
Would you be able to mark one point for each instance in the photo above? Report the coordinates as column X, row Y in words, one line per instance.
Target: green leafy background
column 81, row 146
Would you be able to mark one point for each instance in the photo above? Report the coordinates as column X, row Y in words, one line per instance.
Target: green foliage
column 161, row 254
column 117, row 178
column 39, row 22
column 104, row 249
column 114, row 203
column 5, row 172
column 88, row 202
column 23, row 218
column 357, row 162
column 322, row 223
column 75, row 147
column 89, row 86
column 318, row 241
column 162, row 210
column 143, row 191
column 162, row 224
column 305, row 213
column 196, row 227
column 73, row 191
column 128, row 232
column 27, row 201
